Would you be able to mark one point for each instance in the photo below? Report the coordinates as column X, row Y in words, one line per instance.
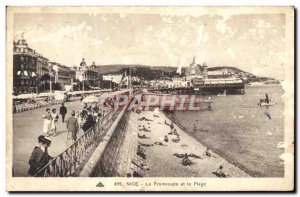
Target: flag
column 125, row 74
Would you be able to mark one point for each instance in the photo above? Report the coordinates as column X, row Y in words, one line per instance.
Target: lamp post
column 83, row 79
column 50, row 73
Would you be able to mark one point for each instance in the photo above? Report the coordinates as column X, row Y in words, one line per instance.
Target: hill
column 148, row 72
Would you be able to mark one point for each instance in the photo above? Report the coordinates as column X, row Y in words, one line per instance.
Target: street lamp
column 83, row 79
column 50, row 73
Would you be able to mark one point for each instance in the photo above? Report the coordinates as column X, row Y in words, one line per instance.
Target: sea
column 241, row 131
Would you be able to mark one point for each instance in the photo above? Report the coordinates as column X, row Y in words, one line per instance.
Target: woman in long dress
column 47, row 122
column 54, row 124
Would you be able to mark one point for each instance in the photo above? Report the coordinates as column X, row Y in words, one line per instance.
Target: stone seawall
column 113, row 157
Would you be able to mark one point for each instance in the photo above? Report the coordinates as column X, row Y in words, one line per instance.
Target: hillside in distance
column 142, row 71
column 158, row 72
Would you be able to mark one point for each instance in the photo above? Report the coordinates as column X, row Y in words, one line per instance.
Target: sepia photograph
column 150, row 98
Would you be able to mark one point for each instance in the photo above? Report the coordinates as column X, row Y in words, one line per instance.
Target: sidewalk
column 27, row 126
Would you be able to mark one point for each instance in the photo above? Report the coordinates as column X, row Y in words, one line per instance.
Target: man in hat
column 72, row 126
column 39, row 156
column 63, row 111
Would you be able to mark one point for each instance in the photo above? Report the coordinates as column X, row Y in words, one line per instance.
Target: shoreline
column 240, row 166
column 203, row 167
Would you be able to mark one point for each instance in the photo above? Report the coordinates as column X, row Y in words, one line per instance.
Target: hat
column 73, row 112
column 44, row 139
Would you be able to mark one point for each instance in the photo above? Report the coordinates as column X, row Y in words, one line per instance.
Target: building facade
column 34, row 73
column 87, row 73
column 24, row 68
column 42, row 65
column 196, row 71
column 63, row 75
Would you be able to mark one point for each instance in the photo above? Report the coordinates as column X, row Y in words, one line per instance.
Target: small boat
column 266, row 104
column 266, row 101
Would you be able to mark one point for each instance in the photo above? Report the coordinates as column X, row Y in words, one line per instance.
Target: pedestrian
column 267, row 98
column 63, row 111
column 186, row 161
column 47, row 122
column 14, row 108
column 84, row 110
column 172, row 126
column 166, row 139
column 96, row 108
column 54, row 125
column 219, row 172
column 39, row 156
column 73, row 128
column 207, row 152
column 89, row 123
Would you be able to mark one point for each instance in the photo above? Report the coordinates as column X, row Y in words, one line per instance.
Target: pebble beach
column 149, row 129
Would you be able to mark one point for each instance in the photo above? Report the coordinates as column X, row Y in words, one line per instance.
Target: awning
column 33, row 74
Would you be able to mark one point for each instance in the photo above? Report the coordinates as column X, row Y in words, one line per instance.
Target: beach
column 159, row 158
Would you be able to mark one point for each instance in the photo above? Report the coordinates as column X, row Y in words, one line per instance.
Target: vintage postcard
column 150, row 99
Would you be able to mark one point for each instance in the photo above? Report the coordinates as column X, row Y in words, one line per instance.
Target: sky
column 252, row 42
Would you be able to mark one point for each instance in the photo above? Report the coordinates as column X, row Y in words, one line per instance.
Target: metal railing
column 71, row 161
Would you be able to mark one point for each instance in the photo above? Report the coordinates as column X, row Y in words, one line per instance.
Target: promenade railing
column 71, row 161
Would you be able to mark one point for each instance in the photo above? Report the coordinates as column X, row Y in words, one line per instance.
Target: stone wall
column 110, row 163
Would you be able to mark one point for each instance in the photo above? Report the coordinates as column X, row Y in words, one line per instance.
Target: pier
column 206, row 87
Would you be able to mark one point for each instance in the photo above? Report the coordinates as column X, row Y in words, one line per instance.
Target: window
column 22, row 82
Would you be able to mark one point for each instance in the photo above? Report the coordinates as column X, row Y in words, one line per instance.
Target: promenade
column 27, row 126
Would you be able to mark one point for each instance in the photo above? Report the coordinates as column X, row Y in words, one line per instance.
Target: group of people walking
column 85, row 119
column 51, row 120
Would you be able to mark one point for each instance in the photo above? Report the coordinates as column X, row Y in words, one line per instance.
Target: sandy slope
column 160, row 158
